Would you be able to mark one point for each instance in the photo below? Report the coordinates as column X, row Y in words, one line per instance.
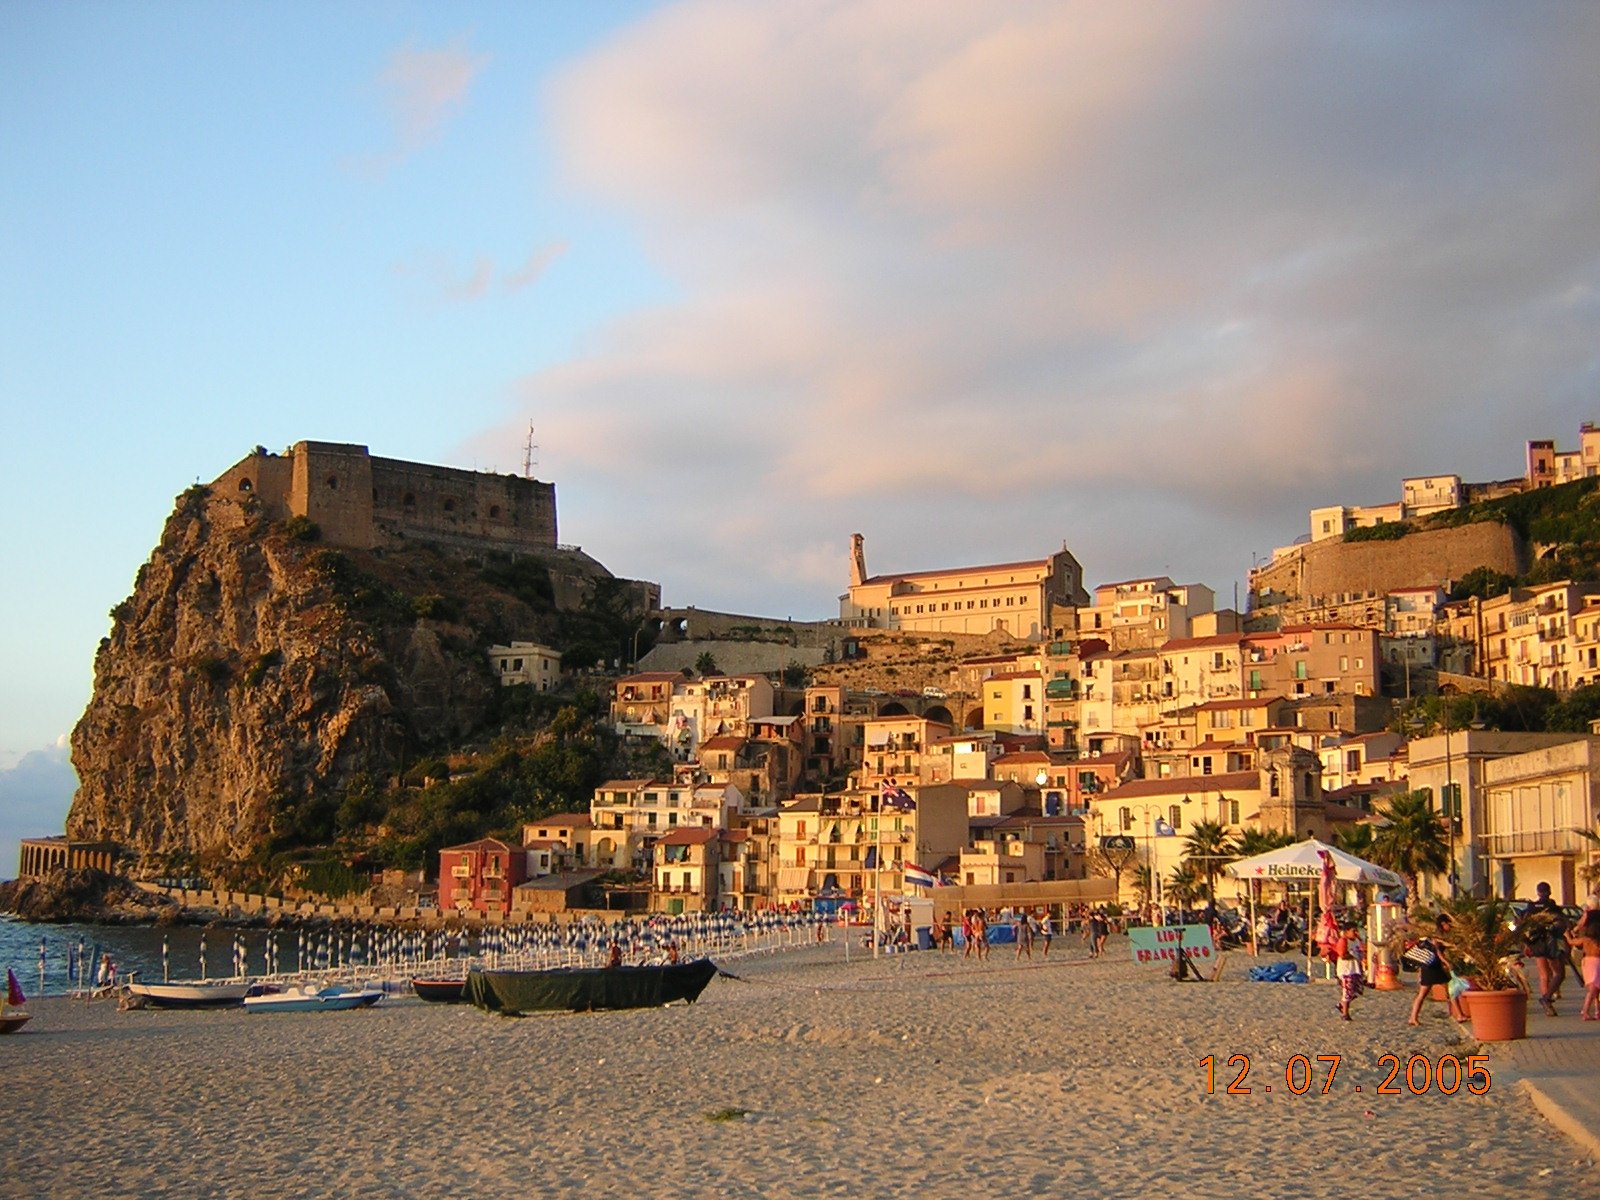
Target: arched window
column 449, row 506
column 333, row 483
column 494, row 511
column 246, row 486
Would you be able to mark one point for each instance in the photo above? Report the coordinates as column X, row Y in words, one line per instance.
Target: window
column 1125, row 817
column 1233, row 812
column 1175, row 816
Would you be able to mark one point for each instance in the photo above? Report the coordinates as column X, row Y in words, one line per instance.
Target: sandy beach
column 920, row 1075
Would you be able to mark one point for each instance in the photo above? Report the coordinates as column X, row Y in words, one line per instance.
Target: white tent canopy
column 1300, row 861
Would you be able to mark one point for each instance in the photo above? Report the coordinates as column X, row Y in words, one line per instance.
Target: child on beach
column 1349, row 953
column 1586, row 940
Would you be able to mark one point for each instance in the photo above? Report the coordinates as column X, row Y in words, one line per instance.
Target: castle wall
column 363, row 502
column 416, row 500
column 1321, row 572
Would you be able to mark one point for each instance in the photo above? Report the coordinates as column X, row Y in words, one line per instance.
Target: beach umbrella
column 166, row 972
column 41, row 966
column 203, row 955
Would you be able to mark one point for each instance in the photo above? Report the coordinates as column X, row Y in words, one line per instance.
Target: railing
column 1536, row 841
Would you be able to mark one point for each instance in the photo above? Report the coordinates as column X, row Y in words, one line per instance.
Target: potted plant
column 1484, row 944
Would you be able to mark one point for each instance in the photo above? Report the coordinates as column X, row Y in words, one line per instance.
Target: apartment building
column 629, row 815
column 1013, row 702
column 966, row 755
column 641, row 704
column 1539, row 805
column 716, row 706
column 1451, row 770
column 526, row 663
column 1139, row 614
column 1548, row 466
column 832, row 842
column 900, row 747
column 1527, row 635
column 685, row 871
column 479, row 876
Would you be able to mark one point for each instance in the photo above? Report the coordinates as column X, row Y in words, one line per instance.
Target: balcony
column 1535, row 841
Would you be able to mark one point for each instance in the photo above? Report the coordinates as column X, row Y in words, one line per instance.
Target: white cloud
column 423, row 90
column 35, row 794
column 976, row 279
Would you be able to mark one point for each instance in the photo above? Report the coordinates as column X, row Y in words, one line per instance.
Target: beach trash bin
column 924, row 937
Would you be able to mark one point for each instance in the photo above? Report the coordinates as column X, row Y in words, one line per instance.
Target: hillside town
column 1001, row 732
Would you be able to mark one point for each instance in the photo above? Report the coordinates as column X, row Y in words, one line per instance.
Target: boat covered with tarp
column 583, row 989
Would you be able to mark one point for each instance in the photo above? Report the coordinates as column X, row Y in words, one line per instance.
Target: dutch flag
column 917, row 877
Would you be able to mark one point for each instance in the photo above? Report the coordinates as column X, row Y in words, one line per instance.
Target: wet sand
column 921, row 1075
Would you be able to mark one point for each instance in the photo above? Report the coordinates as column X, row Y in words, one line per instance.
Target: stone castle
column 367, row 503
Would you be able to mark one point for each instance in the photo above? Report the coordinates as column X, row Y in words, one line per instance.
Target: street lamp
column 1150, row 860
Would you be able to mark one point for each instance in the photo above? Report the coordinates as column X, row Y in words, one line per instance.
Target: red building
column 479, row 876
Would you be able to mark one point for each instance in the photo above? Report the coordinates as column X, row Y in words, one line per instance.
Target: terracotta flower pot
column 1500, row 1016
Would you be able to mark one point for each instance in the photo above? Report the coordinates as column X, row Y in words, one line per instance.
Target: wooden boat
column 440, row 991
column 310, row 999
column 587, row 989
column 227, row 993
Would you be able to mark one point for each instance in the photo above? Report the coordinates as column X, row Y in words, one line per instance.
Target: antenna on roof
column 530, row 454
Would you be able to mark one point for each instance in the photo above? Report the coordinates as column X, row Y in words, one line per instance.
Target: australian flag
column 896, row 798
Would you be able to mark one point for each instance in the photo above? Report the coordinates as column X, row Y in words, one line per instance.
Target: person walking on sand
column 1045, row 933
column 1099, row 930
column 1433, row 972
column 1586, row 940
column 1350, row 953
column 1024, row 934
column 969, row 943
column 1544, row 927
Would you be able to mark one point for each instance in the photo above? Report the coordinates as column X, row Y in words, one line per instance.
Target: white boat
column 312, row 999
column 197, row 994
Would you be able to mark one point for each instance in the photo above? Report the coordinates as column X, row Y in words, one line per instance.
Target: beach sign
column 1159, row 943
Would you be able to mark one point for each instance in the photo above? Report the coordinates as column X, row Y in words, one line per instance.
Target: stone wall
column 363, row 502
column 1322, row 573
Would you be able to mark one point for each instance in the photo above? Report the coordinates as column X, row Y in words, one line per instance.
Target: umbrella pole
column 1311, row 923
column 1255, row 949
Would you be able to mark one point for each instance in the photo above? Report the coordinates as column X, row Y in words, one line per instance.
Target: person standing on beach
column 980, row 933
column 1350, row 953
column 1045, row 932
column 1586, row 939
column 1024, row 934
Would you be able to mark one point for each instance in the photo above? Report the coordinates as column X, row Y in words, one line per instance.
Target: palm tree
column 1211, row 844
column 1252, row 842
column 1186, row 884
column 1413, row 843
column 1354, row 839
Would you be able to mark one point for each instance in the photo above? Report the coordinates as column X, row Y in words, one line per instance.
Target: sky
column 974, row 280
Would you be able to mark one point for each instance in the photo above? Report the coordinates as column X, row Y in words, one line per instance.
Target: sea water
column 133, row 948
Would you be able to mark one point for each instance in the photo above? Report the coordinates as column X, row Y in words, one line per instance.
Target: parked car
column 933, row 693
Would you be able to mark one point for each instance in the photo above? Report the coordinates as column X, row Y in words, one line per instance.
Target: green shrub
column 434, row 607
column 258, row 670
column 1389, row 531
column 212, row 667
column 302, row 529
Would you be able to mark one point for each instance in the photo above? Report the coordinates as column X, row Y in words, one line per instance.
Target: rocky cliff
column 254, row 675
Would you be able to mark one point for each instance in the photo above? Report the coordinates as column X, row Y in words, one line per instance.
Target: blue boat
column 309, row 999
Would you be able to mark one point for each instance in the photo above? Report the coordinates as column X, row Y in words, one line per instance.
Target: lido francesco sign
column 1160, row 944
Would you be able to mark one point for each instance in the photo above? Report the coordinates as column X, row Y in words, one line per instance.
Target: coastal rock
column 83, row 895
column 255, row 675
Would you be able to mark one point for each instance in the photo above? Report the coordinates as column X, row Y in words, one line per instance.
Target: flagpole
column 877, row 877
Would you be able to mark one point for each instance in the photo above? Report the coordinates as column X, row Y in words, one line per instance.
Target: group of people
column 1031, row 928
column 1550, row 940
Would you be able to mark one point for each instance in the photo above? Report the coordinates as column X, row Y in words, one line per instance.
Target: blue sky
column 974, row 280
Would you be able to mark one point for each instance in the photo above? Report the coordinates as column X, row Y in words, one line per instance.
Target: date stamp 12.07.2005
column 1318, row 1074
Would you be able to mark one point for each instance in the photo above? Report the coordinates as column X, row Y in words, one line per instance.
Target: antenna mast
column 530, row 454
